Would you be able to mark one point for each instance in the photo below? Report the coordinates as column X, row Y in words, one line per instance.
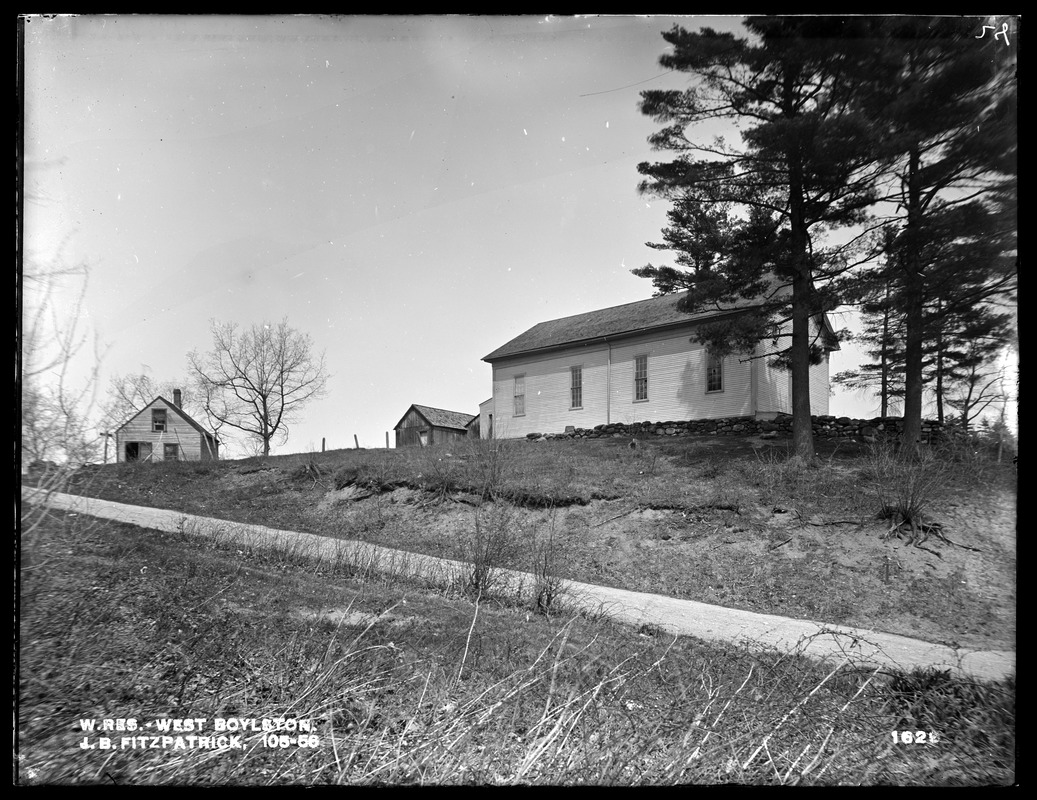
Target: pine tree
column 804, row 166
column 948, row 113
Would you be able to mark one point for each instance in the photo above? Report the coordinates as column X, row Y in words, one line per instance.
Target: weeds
column 904, row 486
column 934, row 700
column 453, row 697
column 491, row 542
column 548, row 555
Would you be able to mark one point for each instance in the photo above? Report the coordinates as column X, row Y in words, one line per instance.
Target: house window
column 640, row 378
column 576, row 387
column 158, row 419
column 520, row 395
column 714, row 373
column 171, row 452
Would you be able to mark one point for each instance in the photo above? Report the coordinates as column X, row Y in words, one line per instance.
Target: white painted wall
column 676, row 386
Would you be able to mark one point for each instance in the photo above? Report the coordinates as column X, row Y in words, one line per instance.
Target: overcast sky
column 412, row 192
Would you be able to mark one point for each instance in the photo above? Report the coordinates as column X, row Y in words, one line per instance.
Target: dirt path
column 686, row 617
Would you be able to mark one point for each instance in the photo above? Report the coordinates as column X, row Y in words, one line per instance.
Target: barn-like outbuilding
column 422, row 426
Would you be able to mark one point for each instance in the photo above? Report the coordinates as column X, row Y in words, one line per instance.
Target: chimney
column 176, row 398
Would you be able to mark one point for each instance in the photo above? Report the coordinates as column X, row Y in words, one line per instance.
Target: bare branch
column 258, row 380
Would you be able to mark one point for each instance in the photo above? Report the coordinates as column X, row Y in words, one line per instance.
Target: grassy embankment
column 409, row 683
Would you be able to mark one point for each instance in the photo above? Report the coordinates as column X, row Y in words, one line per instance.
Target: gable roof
column 625, row 320
column 440, row 417
column 180, row 412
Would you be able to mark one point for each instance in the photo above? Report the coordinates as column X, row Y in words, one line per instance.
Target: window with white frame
column 714, row 373
column 640, row 378
column 575, row 387
column 520, row 395
column 158, row 419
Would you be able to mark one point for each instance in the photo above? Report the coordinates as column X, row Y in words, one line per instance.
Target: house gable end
column 179, row 411
column 406, row 414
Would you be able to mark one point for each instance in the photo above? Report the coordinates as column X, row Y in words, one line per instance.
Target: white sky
column 412, row 192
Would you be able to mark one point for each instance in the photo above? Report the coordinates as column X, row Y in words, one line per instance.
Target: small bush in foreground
column 429, row 691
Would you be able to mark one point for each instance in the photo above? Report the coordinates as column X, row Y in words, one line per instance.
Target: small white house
column 637, row 362
column 163, row 431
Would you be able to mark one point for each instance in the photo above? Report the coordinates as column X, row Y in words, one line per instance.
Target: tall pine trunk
column 884, row 356
column 939, row 370
column 799, row 354
column 914, row 287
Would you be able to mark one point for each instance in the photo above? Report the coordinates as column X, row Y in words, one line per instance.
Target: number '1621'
column 915, row 737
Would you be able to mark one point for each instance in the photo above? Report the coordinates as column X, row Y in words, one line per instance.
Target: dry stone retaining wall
column 828, row 427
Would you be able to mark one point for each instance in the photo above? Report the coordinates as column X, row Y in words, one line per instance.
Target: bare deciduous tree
column 979, row 385
column 56, row 437
column 257, row 380
column 54, row 405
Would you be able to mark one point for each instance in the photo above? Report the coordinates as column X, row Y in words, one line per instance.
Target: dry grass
column 407, row 687
column 727, row 521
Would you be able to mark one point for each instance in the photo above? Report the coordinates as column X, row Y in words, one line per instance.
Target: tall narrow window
column 714, row 373
column 640, row 378
column 520, row 395
column 158, row 419
column 576, row 387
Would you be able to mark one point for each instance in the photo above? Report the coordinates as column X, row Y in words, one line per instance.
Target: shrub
column 345, row 476
column 491, row 542
column 547, row 551
column 488, row 467
column 903, row 484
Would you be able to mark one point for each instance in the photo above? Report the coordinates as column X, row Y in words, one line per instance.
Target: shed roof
column 625, row 320
column 180, row 412
column 440, row 417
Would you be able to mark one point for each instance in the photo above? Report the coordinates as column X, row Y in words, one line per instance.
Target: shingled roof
column 440, row 417
column 625, row 320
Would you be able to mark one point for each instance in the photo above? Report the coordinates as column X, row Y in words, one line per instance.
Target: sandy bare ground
column 676, row 616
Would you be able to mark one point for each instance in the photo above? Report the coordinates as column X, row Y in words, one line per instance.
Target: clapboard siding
column 774, row 386
column 607, row 344
column 676, row 386
column 819, row 388
column 676, row 382
column 772, row 389
column 486, row 419
column 179, row 431
column 547, row 385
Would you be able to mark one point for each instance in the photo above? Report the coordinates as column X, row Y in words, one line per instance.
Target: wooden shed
column 422, row 426
column 163, row 431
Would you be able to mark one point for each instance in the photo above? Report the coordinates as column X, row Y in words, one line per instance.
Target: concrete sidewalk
column 685, row 617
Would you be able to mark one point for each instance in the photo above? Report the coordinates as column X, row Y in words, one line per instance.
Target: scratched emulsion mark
column 29, row 774
column 998, row 33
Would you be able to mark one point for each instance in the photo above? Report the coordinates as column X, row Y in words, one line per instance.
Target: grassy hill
column 414, row 684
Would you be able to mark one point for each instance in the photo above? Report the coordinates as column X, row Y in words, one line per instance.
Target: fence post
column 356, row 441
column 322, row 440
column 387, row 440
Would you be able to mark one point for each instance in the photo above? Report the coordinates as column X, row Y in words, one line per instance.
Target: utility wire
column 629, row 85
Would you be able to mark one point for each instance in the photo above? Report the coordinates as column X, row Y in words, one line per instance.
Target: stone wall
column 827, row 427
